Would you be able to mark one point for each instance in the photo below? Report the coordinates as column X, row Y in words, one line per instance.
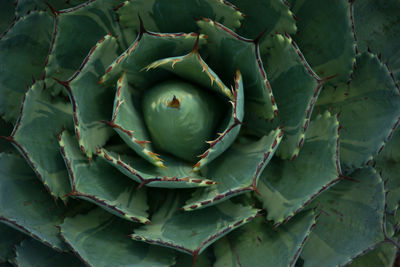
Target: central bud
column 180, row 118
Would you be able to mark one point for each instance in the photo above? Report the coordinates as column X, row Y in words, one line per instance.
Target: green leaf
column 28, row 40
column 24, row 203
column 350, row 222
column 271, row 15
column 259, row 244
column 156, row 15
column 382, row 256
column 82, row 26
column 8, row 239
column 24, row 6
column 101, row 184
column 369, row 108
column 34, row 135
column 228, row 132
column 7, row 15
column 387, row 162
column 227, row 53
column 100, row 239
column 92, row 102
column 376, row 25
column 192, row 232
column 295, row 87
column 31, row 253
column 325, row 37
column 236, row 171
column 176, row 174
column 315, row 169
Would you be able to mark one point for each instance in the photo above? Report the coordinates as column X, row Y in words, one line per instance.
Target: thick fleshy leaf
column 295, row 87
column 128, row 122
column 176, row 174
column 192, row 232
column 350, row 222
column 81, row 26
column 271, row 16
column 101, row 184
column 193, row 68
column 25, row 204
column 8, row 239
column 156, row 15
column 382, row 256
column 7, row 11
column 325, row 37
column 32, row 253
column 228, row 132
column 227, row 53
column 236, row 171
column 369, row 108
column 100, row 239
column 28, row 39
column 387, row 162
column 24, row 6
column 259, row 244
column 35, row 136
column 315, row 169
column 92, row 102
column 377, row 25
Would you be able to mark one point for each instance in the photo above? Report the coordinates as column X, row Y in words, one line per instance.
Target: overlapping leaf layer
column 301, row 169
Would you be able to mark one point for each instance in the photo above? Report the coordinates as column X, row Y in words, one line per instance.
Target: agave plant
column 201, row 132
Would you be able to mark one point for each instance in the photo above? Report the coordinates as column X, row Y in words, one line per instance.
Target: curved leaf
column 383, row 256
column 192, row 232
column 350, row 222
column 28, row 39
column 88, row 235
column 34, row 135
column 236, row 171
column 369, row 107
column 25, row 205
column 258, row 244
column 101, row 184
column 8, row 239
column 32, row 253
column 315, row 169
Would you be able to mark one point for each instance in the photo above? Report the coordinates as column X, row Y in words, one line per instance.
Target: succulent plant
column 204, row 133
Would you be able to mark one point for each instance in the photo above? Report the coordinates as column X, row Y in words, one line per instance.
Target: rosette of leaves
column 179, row 133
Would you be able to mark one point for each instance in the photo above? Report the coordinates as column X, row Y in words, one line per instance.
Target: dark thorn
column 63, row 83
column 258, row 38
column 196, row 44
column 141, row 27
column 52, row 9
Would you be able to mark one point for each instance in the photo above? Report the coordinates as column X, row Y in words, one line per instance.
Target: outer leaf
column 370, row 108
column 296, row 88
column 383, row 256
column 316, row 169
column 25, row 205
column 7, row 15
column 100, row 183
column 376, row 25
column 270, row 16
column 8, row 239
column 325, row 37
column 24, row 6
column 178, row 174
column 28, row 39
column 258, row 244
column 35, row 133
column 81, row 26
column 227, row 53
column 88, row 235
column 192, row 232
column 350, row 223
column 156, row 15
column 92, row 102
column 31, row 253
column 236, row 171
